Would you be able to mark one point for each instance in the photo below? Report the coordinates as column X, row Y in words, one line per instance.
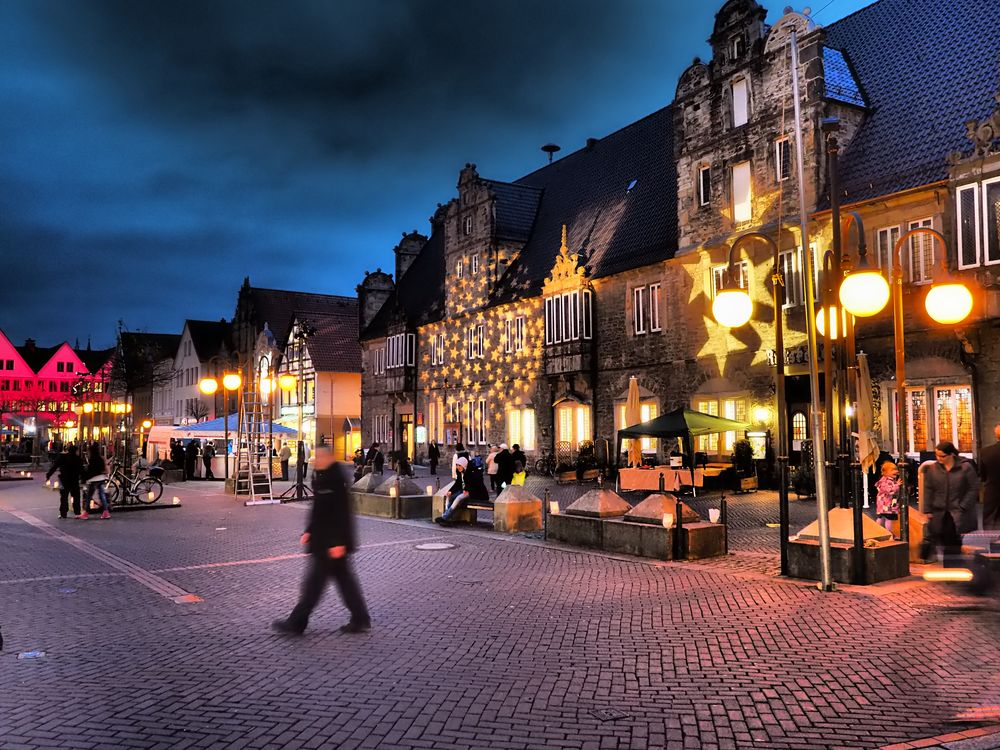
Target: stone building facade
column 531, row 304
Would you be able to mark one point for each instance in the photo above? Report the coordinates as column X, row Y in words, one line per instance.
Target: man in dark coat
column 190, row 459
column 433, row 455
column 70, row 467
column 330, row 540
column 989, row 473
column 505, row 468
column 516, row 454
column 950, row 495
column 207, row 454
column 177, row 453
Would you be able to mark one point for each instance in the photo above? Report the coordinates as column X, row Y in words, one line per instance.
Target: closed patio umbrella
column 868, row 448
column 633, row 416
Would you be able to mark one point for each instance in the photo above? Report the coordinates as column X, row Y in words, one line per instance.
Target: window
column 737, row 46
column 59, row 366
column 704, row 186
column 572, row 424
column 437, row 349
column 10, row 364
column 521, row 428
column 742, row 200
column 921, row 254
column 719, row 277
column 799, row 428
column 991, row 221
column 648, row 410
column 639, row 309
column 953, row 407
column 513, row 334
column 474, row 342
column 654, row 307
column 481, row 421
column 69, row 367
column 977, row 212
column 382, row 429
column 474, row 266
column 435, row 420
column 467, row 225
column 707, row 443
column 379, row 356
column 568, row 316
column 789, row 262
column 782, row 159
column 4, row 385
column 460, row 268
column 885, row 244
column 402, row 350
column 741, row 102
column 735, row 409
column 966, row 200
column 519, row 333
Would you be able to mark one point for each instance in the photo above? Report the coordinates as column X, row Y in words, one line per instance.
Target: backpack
column 476, row 462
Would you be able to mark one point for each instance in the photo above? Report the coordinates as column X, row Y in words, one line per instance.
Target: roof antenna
column 550, row 148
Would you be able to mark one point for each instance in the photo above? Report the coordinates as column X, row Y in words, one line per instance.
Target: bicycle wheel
column 148, row 490
column 542, row 466
column 114, row 491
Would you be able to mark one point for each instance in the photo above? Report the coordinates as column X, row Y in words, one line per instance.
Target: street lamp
column 732, row 308
column 231, row 381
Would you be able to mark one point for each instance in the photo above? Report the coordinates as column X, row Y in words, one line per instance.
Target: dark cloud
column 157, row 152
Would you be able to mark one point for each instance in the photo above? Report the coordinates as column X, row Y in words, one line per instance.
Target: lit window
column 648, row 410
column 521, row 428
column 921, row 254
column 573, row 424
column 707, row 443
column 742, row 198
column 704, row 186
column 741, row 102
column 735, row 409
column 782, row 159
column 719, row 277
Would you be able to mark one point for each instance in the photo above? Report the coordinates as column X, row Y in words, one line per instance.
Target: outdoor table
column 649, row 479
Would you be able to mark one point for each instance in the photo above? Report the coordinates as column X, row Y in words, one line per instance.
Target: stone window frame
column 926, row 243
column 704, row 190
column 981, row 223
column 735, row 51
column 732, row 190
column 745, row 80
column 782, row 163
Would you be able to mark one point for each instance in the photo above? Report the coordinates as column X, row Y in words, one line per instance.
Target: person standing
column 284, row 456
column 491, row 466
column 96, row 476
column 70, row 468
column 887, row 497
column 330, row 539
column 989, row 473
column 949, row 494
column 505, row 468
column 433, row 455
column 190, row 459
column 517, row 455
column 207, row 454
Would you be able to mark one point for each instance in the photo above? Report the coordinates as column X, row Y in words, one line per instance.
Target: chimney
column 407, row 251
column 29, row 344
column 591, row 142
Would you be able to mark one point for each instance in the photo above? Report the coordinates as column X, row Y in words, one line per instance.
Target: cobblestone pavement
column 155, row 631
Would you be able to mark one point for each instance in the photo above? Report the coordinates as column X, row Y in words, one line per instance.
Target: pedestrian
column 460, row 452
column 949, row 494
column 989, row 472
column 403, row 467
column 887, row 497
column 96, row 477
column 491, row 466
column 505, row 468
column 468, row 486
column 519, row 475
column 70, row 467
column 284, row 456
column 190, row 459
column 207, row 454
column 433, row 455
column 177, row 453
column 330, row 539
column 516, row 454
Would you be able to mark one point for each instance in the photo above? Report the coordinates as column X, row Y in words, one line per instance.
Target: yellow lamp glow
column 146, row 424
column 762, row 414
column 88, row 407
column 70, row 423
column 286, row 382
column 864, row 293
column 732, row 307
column 128, row 408
column 949, row 303
column 208, row 386
column 836, row 327
column 231, row 381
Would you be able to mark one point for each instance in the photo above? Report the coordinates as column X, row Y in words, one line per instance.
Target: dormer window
column 741, row 102
column 737, row 46
column 467, row 226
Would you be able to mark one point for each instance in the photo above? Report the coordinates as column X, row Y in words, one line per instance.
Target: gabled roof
column 95, row 359
column 36, row 356
column 161, row 345
column 838, row 79
column 334, row 347
column 515, row 209
column 927, row 66
column 277, row 307
column 618, row 199
column 209, row 337
column 419, row 294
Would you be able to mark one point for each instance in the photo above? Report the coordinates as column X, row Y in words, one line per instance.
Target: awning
column 352, row 424
column 682, row 423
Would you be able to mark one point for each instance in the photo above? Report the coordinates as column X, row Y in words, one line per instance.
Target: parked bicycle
column 546, row 464
column 144, row 487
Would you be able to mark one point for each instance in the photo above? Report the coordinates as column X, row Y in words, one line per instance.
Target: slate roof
column 36, row 356
column 277, row 307
column 618, row 199
column 334, row 347
column 419, row 294
column 839, row 80
column 94, row 359
column 209, row 337
column 926, row 66
column 164, row 344
column 515, row 207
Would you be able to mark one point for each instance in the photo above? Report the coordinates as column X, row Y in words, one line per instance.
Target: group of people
column 948, row 493
column 75, row 473
column 503, row 466
column 186, row 457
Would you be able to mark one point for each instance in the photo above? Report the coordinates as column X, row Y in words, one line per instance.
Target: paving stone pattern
column 499, row 643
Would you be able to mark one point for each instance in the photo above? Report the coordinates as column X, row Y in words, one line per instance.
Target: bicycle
column 144, row 487
column 546, row 464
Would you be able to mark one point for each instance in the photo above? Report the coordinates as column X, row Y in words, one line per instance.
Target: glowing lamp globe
column 286, row 382
column 70, row 424
column 836, row 327
column 146, row 424
column 208, row 386
column 231, row 381
column 949, row 303
column 267, row 386
column 87, row 408
column 864, row 293
column 732, row 307
column 762, row 414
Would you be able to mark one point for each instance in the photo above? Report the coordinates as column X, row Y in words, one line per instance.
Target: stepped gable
column 599, row 504
column 925, row 67
column 651, row 510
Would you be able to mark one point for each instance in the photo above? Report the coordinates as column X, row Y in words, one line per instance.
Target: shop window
column 573, row 424
column 648, row 410
column 521, row 428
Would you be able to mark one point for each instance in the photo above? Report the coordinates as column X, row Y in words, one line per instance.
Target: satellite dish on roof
column 550, row 148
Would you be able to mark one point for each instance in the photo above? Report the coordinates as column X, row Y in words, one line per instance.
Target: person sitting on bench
column 468, row 486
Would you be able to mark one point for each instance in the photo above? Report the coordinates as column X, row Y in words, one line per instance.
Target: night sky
column 152, row 154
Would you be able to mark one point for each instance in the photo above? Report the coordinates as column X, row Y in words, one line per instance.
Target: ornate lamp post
column 231, row 381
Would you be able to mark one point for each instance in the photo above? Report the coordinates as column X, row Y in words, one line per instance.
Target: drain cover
column 434, row 546
column 608, row 714
column 31, row 655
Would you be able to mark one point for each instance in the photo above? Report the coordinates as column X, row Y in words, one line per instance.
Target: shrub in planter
column 742, row 458
column 803, row 480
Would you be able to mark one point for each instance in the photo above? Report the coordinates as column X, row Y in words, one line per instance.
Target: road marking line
column 61, row 577
column 140, row 575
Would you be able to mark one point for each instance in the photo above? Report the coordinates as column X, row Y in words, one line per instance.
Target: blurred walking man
column 330, row 539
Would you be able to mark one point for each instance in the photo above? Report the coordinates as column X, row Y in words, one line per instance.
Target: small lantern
column 668, row 520
column 553, row 507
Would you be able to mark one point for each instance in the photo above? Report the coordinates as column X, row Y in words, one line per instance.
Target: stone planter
column 703, row 539
column 386, row 506
column 640, row 539
column 517, row 510
column 580, row 531
column 884, row 562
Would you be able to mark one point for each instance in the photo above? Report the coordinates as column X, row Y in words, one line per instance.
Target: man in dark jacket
column 207, row 454
column 505, row 468
column 989, row 472
column 516, row 454
column 190, row 459
column 949, row 494
column 468, row 486
column 330, row 540
column 433, row 455
column 70, row 467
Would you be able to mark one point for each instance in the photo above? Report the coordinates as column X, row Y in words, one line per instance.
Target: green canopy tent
column 679, row 423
